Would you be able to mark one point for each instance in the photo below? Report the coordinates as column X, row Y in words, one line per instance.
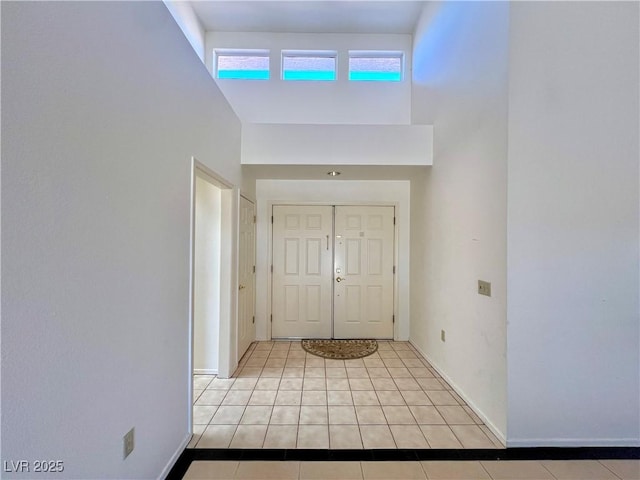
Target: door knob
column 339, row 279
column 240, row 287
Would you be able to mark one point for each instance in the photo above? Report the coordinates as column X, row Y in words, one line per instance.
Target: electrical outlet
column 484, row 288
column 442, row 335
column 129, row 442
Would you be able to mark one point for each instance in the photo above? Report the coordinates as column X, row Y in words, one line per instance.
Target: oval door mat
column 340, row 349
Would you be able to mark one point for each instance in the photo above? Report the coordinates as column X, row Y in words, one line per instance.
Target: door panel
column 302, row 271
column 246, row 277
column 364, row 251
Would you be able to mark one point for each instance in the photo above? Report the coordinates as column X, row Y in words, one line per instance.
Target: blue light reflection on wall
column 449, row 31
column 435, row 39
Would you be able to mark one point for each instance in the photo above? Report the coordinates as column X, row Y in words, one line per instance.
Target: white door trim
column 271, row 204
column 227, row 362
column 322, row 192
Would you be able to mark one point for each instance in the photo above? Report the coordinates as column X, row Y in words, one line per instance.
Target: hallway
column 509, row 149
column 282, row 397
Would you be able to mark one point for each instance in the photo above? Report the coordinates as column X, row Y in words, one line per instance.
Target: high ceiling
column 302, row 16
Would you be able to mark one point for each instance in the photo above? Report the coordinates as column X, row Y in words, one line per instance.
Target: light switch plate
column 484, row 288
column 129, row 442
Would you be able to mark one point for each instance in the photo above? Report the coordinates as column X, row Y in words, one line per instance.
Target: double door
column 333, row 271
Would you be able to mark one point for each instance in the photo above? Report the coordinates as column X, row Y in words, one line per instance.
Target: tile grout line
column 485, row 470
column 546, row 469
column 394, row 356
column 614, row 473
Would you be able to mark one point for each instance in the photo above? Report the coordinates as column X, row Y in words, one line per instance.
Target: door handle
column 241, row 287
column 327, row 243
column 339, row 279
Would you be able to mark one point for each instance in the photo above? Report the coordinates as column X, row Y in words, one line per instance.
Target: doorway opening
column 333, row 271
column 206, row 275
column 212, row 276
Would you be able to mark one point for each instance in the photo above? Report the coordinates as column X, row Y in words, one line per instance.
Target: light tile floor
column 440, row 470
column 283, row 397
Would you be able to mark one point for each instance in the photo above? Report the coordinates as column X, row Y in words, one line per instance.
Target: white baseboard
column 174, row 457
column 499, row 434
column 574, row 442
column 205, row 371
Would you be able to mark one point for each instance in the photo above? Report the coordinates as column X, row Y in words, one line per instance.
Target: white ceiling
column 309, row 16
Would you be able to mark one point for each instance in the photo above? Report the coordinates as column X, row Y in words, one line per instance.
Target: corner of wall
column 189, row 23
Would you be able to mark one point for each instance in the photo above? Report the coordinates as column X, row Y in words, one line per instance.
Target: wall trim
column 574, row 442
column 205, row 371
column 500, row 435
column 174, row 458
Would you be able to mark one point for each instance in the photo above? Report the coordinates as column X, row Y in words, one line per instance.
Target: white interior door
column 302, row 271
column 246, row 276
column 363, row 272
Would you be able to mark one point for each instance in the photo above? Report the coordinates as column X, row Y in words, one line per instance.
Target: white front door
column 363, row 272
column 338, row 288
column 246, row 277
column 302, row 273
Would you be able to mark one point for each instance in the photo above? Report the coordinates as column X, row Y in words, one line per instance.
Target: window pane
column 308, row 68
column 250, row 67
column 385, row 69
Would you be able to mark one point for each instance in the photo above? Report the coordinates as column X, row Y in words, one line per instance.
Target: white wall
column 573, row 335
column 103, row 105
column 189, row 23
column 273, row 144
column 339, row 102
column 206, row 313
column 330, row 192
column 458, row 221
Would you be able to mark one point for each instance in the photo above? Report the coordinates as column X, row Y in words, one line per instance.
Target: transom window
column 318, row 66
column 242, row 64
column 375, row 66
column 310, row 65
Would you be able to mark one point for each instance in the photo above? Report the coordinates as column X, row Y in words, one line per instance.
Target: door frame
column 227, row 349
column 271, row 204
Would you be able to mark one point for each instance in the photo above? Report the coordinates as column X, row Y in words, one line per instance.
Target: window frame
column 382, row 54
column 332, row 54
column 237, row 52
